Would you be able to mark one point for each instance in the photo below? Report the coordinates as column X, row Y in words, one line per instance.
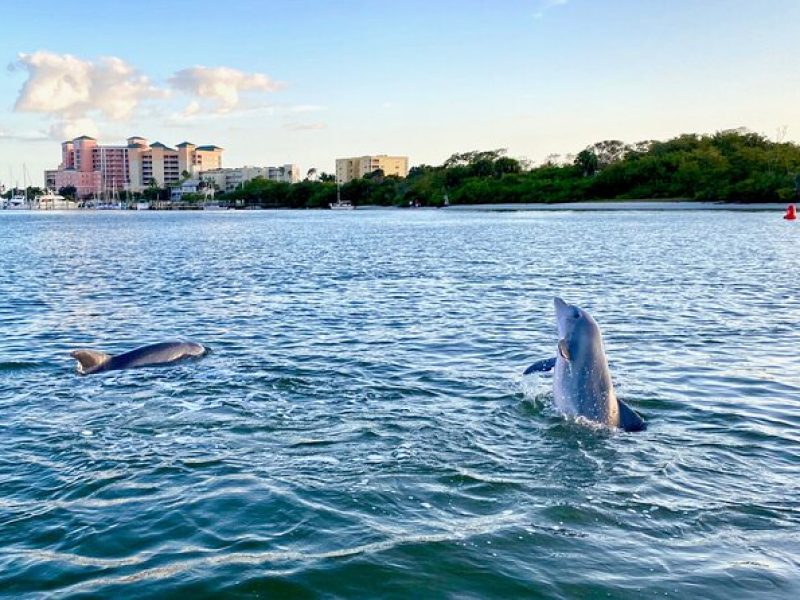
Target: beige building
column 166, row 166
column 229, row 179
column 348, row 169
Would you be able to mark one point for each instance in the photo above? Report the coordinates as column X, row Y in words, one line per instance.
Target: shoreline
column 581, row 206
column 631, row 205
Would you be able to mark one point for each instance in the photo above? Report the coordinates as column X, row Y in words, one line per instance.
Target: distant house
column 190, row 186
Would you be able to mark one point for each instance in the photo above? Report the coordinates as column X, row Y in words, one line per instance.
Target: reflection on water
column 362, row 428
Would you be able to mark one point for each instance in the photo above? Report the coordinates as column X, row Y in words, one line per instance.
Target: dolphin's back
column 156, row 354
column 163, row 353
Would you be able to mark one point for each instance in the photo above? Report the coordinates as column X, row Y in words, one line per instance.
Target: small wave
column 12, row 366
column 271, row 559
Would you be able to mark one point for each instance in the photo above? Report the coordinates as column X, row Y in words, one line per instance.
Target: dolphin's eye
column 576, row 313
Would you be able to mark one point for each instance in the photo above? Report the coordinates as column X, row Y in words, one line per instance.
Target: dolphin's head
column 578, row 334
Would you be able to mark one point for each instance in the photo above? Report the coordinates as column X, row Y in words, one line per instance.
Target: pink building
column 79, row 168
column 94, row 169
column 86, row 183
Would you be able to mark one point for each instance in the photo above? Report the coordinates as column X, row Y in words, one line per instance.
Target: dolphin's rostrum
column 163, row 353
column 582, row 382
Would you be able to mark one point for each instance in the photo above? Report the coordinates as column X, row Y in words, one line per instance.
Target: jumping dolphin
column 582, row 382
column 164, row 353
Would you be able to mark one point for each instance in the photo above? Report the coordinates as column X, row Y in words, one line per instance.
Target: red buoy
column 791, row 213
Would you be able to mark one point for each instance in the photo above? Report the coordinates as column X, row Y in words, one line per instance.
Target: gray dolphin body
column 164, row 353
column 582, row 382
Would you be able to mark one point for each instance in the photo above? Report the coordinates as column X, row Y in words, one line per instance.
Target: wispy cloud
column 219, row 88
column 546, row 5
column 25, row 136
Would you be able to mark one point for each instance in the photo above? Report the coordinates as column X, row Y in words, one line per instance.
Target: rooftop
column 211, row 147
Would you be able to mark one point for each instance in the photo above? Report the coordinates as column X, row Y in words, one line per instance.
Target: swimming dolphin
column 582, row 382
column 164, row 353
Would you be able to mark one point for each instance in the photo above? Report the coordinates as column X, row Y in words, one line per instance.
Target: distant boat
column 341, row 204
column 108, row 206
column 214, row 206
column 17, row 202
column 109, row 201
column 52, row 201
column 142, row 206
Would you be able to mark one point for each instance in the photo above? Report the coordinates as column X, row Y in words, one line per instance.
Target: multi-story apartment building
column 348, row 169
column 94, row 169
column 229, row 179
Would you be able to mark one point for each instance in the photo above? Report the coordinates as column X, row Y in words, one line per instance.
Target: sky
column 308, row 81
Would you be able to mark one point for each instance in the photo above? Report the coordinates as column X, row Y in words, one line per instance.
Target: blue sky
column 307, row 81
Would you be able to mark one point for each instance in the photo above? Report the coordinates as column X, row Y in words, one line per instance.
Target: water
column 362, row 429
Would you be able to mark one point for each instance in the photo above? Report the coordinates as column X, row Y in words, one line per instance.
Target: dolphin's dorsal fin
column 89, row 361
column 629, row 419
column 541, row 366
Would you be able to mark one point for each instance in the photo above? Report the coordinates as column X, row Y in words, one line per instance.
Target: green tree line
column 730, row 166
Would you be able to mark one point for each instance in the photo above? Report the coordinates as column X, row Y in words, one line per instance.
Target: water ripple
column 362, row 429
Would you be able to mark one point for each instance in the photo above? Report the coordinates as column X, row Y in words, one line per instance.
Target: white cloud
column 71, row 128
column 81, row 96
column 72, row 91
column 220, row 87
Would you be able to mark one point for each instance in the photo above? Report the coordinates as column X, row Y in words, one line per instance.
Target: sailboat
column 113, row 203
column 19, row 201
column 341, row 204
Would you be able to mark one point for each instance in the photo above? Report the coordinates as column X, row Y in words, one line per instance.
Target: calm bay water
column 361, row 428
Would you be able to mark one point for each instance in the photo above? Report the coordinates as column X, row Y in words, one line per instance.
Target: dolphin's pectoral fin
column 541, row 366
column 89, row 361
column 563, row 349
column 629, row 419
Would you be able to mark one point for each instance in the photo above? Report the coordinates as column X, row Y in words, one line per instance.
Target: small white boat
column 142, row 206
column 341, row 204
column 213, row 206
column 52, row 201
column 17, row 202
column 108, row 206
